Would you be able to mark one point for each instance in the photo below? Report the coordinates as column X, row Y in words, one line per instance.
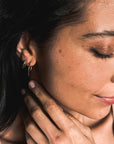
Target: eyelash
column 99, row 55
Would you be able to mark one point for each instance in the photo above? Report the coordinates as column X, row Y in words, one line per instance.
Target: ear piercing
column 29, row 67
column 25, row 63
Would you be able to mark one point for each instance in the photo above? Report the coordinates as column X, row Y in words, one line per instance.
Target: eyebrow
column 101, row 34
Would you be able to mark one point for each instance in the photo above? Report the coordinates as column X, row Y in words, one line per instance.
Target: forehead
column 101, row 15
column 99, row 21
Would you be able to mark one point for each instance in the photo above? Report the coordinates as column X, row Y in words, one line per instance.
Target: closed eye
column 100, row 55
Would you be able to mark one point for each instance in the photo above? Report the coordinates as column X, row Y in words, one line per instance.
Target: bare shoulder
column 15, row 132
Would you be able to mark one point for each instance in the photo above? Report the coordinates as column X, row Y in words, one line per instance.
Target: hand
column 55, row 127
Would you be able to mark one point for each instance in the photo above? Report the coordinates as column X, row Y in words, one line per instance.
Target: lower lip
column 108, row 101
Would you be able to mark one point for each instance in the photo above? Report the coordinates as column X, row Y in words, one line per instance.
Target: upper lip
column 109, row 97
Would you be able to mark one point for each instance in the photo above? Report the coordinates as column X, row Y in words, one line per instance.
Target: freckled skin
column 72, row 74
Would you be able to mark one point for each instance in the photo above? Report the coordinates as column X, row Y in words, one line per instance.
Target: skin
column 72, row 75
column 71, row 130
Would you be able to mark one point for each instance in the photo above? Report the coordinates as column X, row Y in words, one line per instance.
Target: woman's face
column 73, row 71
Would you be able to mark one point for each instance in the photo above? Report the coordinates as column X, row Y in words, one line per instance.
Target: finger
column 50, row 106
column 29, row 140
column 41, row 119
column 34, row 131
column 84, row 129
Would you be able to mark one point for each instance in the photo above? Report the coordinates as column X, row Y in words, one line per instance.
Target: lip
column 107, row 100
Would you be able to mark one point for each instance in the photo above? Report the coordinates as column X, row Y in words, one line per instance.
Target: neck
column 92, row 123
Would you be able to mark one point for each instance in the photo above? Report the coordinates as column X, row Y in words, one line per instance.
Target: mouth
column 106, row 99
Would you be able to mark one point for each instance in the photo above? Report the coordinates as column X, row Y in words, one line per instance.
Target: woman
column 70, row 45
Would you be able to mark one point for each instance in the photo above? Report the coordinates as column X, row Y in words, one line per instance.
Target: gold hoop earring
column 29, row 69
column 24, row 64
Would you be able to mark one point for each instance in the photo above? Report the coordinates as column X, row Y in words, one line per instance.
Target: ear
column 27, row 49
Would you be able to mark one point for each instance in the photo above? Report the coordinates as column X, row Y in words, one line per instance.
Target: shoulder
column 15, row 133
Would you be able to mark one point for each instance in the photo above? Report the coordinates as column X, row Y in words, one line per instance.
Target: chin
column 98, row 115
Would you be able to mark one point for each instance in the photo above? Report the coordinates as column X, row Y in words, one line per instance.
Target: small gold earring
column 29, row 69
column 24, row 64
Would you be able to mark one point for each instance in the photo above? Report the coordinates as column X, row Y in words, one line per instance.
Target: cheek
column 79, row 70
column 70, row 76
column 86, row 75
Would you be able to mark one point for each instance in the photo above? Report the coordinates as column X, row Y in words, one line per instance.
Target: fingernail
column 31, row 84
column 23, row 92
